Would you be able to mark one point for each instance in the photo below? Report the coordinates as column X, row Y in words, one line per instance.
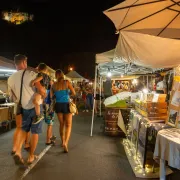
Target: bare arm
column 52, row 92
column 38, row 79
column 11, row 94
column 71, row 88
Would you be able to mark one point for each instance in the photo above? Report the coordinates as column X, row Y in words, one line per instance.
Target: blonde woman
column 61, row 90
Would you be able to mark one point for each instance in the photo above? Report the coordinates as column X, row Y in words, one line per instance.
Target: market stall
column 74, row 76
column 145, row 30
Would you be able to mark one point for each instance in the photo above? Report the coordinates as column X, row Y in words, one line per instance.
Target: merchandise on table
column 122, row 99
column 152, row 110
column 141, row 135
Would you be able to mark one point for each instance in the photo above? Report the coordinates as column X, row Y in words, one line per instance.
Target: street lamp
column 70, row 68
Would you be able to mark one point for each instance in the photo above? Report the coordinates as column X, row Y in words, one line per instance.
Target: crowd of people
column 37, row 97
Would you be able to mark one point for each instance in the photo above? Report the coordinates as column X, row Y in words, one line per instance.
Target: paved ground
column 90, row 158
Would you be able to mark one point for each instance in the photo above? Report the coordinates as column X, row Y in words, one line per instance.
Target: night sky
column 68, row 33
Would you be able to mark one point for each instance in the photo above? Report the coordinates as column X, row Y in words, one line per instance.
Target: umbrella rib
column 147, row 16
column 169, row 23
column 127, row 13
column 175, row 2
column 173, row 10
column 135, row 5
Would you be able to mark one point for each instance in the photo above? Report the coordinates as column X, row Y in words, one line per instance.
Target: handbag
column 19, row 104
column 72, row 106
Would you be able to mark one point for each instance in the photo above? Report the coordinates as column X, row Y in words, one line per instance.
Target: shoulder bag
column 19, row 105
column 72, row 106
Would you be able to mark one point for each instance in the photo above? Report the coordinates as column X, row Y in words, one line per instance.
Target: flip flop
column 18, row 160
column 35, row 158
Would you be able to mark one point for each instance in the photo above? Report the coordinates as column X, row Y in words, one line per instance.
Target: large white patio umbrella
column 147, row 50
column 153, row 17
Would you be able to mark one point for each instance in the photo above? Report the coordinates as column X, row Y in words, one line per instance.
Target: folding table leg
column 162, row 169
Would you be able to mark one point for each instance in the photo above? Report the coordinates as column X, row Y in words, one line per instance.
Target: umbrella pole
column 95, row 81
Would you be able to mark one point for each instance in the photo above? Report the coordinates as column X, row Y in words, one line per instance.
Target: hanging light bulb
column 109, row 74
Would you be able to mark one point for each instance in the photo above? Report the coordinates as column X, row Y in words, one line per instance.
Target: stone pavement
column 90, row 158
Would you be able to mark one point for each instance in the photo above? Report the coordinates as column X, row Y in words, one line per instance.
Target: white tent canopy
column 118, row 68
column 105, row 57
column 146, row 50
column 73, row 75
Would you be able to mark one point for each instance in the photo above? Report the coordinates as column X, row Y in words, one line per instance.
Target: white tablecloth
column 168, row 147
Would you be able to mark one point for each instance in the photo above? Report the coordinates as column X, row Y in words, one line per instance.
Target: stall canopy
column 105, row 57
column 74, row 76
column 146, row 50
column 120, row 67
column 7, row 64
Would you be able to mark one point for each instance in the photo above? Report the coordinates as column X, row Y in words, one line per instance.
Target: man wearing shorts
column 28, row 111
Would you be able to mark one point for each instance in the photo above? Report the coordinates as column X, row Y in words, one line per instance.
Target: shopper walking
column 61, row 90
column 22, row 78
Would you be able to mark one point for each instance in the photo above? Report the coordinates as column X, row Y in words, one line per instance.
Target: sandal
column 65, row 149
column 13, row 153
column 18, row 160
column 30, row 162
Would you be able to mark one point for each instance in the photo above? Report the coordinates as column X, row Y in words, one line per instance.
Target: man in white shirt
column 161, row 86
column 28, row 111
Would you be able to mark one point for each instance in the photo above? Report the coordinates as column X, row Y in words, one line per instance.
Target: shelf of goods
column 142, row 130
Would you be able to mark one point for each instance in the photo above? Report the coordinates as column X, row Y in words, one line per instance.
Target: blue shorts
column 49, row 119
column 62, row 108
column 28, row 115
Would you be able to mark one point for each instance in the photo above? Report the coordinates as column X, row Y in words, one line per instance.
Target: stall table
column 167, row 148
column 7, row 113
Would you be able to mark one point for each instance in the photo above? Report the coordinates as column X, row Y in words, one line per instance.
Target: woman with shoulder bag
column 61, row 90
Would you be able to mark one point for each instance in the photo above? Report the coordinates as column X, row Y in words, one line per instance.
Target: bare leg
column 68, row 124
column 27, row 141
column 18, row 129
column 36, row 101
column 49, row 133
column 20, row 141
column 61, row 127
column 34, row 141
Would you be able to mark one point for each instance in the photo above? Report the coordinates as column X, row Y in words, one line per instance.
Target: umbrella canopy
column 153, row 17
column 73, row 75
column 148, row 51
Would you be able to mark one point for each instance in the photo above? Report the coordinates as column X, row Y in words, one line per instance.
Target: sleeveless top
column 62, row 96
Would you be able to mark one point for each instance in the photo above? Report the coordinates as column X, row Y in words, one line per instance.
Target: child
column 45, row 81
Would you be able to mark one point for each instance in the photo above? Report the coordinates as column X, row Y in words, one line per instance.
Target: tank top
column 62, row 96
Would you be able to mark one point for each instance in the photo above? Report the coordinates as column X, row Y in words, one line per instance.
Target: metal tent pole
column 95, row 81
column 100, row 94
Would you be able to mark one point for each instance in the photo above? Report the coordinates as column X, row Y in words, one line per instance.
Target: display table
column 7, row 114
column 4, row 114
column 167, row 148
